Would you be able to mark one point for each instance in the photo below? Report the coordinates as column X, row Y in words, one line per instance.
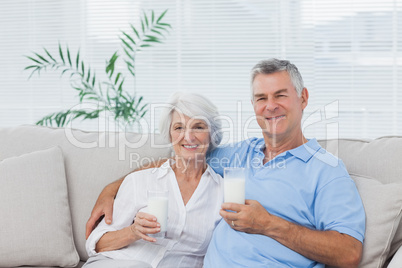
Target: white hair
column 195, row 106
column 274, row 65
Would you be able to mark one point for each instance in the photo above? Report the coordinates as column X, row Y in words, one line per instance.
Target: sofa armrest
column 396, row 261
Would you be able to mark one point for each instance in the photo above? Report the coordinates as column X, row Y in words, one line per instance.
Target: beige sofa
column 50, row 179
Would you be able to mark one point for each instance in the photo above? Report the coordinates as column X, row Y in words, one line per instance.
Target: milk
column 158, row 206
column 234, row 190
column 234, row 183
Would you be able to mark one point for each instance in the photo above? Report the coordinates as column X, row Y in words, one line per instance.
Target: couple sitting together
column 306, row 213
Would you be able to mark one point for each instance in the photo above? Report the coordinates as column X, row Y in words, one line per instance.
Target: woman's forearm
column 116, row 240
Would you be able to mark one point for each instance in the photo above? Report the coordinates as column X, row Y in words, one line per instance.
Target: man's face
column 278, row 108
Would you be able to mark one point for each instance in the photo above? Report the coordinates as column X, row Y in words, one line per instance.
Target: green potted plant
column 108, row 96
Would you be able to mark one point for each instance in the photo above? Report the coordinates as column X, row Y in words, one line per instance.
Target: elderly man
column 302, row 207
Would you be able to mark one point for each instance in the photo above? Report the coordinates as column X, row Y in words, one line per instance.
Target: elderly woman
column 195, row 197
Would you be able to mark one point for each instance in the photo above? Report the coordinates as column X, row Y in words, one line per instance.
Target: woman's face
column 190, row 136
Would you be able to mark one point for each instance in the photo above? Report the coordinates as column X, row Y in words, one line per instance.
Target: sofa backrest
column 379, row 158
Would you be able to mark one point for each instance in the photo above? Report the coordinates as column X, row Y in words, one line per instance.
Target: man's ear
column 304, row 97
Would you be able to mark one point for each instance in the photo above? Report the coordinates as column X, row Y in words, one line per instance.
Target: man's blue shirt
column 305, row 185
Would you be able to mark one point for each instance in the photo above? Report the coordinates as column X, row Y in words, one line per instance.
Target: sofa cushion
column 383, row 206
column 379, row 159
column 35, row 228
column 92, row 160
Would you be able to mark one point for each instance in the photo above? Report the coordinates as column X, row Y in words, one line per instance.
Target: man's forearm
column 114, row 186
column 328, row 247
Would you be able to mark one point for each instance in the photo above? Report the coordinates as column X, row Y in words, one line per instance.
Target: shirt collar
column 304, row 152
column 166, row 167
column 212, row 173
column 258, row 145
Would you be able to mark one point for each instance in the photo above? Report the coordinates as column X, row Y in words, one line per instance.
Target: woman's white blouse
column 189, row 227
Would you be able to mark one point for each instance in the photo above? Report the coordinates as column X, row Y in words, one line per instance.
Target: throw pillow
column 383, row 206
column 35, row 225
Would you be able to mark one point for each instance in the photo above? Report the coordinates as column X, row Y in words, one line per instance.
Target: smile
column 275, row 118
column 190, row 146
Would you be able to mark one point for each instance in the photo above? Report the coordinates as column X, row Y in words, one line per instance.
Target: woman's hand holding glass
column 144, row 224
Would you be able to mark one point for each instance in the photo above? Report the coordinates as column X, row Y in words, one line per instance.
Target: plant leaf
column 32, row 73
column 68, row 56
column 65, row 70
column 127, row 45
column 88, row 75
column 155, row 31
column 161, row 16
column 128, row 54
column 30, row 67
column 32, row 59
column 46, row 120
column 78, row 59
column 117, row 78
column 138, row 103
column 146, row 19
column 162, row 28
column 130, row 64
column 135, row 31
column 61, row 53
column 120, row 89
column 129, row 38
column 151, row 40
column 50, row 56
column 143, row 107
column 42, row 58
column 151, row 37
column 110, row 64
column 165, row 24
column 131, row 68
column 82, row 67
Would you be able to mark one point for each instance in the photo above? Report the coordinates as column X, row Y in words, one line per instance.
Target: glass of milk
column 158, row 206
column 234, row 182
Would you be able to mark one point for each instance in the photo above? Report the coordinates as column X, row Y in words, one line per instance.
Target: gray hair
column 195, row 106
column 274, row 65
